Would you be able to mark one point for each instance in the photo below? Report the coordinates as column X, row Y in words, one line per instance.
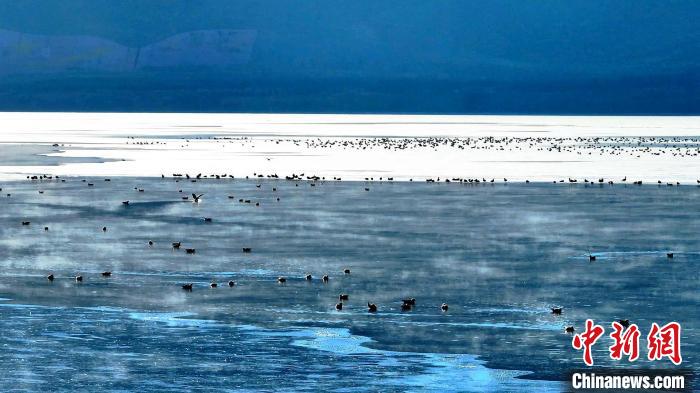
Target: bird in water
column 247, row 249
column 624, row 322
column 213, row 285
column 346, row 271
column 106, row 274
column 49, row 277
column 104, row 229
column 557, row 310
column 177, row 244
column 569, row 329
column 308, row 277
column 79, row 278
column 190, row 250
column 281, row 280
column 196, row 198
column 343, row 296
column 339, row 306
column 231, row 284
column 669, row 255
column 371, row 307
column 444, row 307
column 187, row 287
column 591, row 258
column 325, row 278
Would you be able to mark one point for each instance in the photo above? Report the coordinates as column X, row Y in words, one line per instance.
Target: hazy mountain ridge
column 589, row 56
column 27, row 53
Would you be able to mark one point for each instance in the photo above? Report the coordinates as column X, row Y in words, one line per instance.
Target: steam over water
column 499, row 254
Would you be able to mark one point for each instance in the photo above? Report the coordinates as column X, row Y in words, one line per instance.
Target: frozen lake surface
column 536, row 148
column 499, row 254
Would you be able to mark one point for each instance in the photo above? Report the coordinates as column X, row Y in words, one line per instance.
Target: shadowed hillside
column 450, row 56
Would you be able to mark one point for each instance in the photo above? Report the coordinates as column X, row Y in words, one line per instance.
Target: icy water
column 499, row 255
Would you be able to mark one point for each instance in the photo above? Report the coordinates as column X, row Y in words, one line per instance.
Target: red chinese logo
column 586, row 340
column 665, row 341
column 625, row 343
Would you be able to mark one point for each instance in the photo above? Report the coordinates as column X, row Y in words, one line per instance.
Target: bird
column 371, row 307
column 308, row 277
column 26, row 222
column 409, row 302
column 281, row 280
column 106, row 274
column 669, row 255
column 79, row 278
column 104, row 229
column 557, row 310
column 196, row 198
column 187, row 287
column 624, row 322
column 150, row 242
column 346, row 271
column 444, row 307
column 231, row 284
column 46, row 228
column 49, row 277
column 591, row 258
column 405, row 307
column 325, row 278
column 339, row 306
column 247, row 249
column 343, row 296
column 190, row 250
column 207, row 219
column 569, row 329
column 213, row 285
column 177, row 244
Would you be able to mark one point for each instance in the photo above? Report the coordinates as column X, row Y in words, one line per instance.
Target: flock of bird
column 611, row 145
column 406, row 304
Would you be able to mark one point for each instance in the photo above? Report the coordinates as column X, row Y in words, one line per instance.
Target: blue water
column 499, row 255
